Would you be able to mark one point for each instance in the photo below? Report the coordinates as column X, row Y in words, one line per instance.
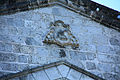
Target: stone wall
column 22, row 47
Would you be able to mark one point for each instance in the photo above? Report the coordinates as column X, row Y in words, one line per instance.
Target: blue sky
column 114, row 4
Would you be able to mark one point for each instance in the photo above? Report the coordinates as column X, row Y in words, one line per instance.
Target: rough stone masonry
column 22, row 35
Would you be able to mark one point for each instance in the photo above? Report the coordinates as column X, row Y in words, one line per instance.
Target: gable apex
column 88, row 8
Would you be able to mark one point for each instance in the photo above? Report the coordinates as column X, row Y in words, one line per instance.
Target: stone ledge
column 46, row 66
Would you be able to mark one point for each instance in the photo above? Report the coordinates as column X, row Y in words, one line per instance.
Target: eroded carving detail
column 61, row 35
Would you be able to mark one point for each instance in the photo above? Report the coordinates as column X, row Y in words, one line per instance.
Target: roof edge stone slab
column 46, row 66
column 88, row 8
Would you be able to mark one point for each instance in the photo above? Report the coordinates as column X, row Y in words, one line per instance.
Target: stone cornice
column 54, row 64
column 90, row 9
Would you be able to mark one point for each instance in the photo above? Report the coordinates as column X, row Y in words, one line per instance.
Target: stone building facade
column 91, row 41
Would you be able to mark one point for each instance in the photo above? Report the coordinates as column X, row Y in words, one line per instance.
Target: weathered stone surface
column 41, row 55
column 84, row 77
column 105, row 67
column 31, row 41
column 23, row 49
column 9, row 66
column 4, row 30
column 23, row 58
column 40, row 75
column 109, row 76
column 109, row 58
column 56, row 11
column 24, row 33
column 11, row 38
column 90, row 65
column 59, row 53
column 53, row 73
column 63, row 70
column 104, row 49
column 117, row 69
column 8, row 57
column 5, row 47
column 87, row 48
column 74, row 75
column 78, row 55
column 3, row 73
column 115, row 41
column 91, row 56
column 99, row 39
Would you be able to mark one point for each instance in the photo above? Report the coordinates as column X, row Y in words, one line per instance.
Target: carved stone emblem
column 61, row 35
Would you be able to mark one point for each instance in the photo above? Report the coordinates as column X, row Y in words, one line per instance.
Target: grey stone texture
column 90, row 66
column 22, row 35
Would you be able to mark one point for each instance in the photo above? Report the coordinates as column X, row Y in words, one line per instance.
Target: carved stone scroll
column 61, row 35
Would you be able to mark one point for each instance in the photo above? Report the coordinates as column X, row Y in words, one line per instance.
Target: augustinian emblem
column 61, row 35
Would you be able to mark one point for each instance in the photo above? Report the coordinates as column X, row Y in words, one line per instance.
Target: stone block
column 11, row 38
column 104, row 49
column 23, row 78
column 84, row 77
column 9, row 66
column 3, row 21
column 53, row 73
column 8, row 30
column 4, row 38
column 22, row 31
column 66, row 20
column 74, row 75
column 12, row 31
column 56, row 11
column 63, row 70
column 40, row 75
column 23, row 58
column 106, row 67
column 5, row 47
column 78, row 55
column 91, row 56
column 17, row 48
column 117, row 69
column 23, row 49
column 115, row 41
column 18, row 22
column 22, row 67
column 87, row 48
column 99, row 39
column 109, row 76
column 8, row 57
column 59, row 53
column 90, row 65
column 33, row 41
column 10, row 21
column 41, row 56
column 17, row 39
column 3, row 73
column 36, row 16
column 105, row 58
column 30, row 41
column 109, row 58
column 116, row 59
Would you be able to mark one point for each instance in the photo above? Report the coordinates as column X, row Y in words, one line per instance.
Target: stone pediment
column 88, row 8
column 61, row 70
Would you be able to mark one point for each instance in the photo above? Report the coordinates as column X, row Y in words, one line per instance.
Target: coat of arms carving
column 61, row 35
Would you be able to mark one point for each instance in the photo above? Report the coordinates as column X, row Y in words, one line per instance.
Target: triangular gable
column 61, row 70
column 88, row 8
